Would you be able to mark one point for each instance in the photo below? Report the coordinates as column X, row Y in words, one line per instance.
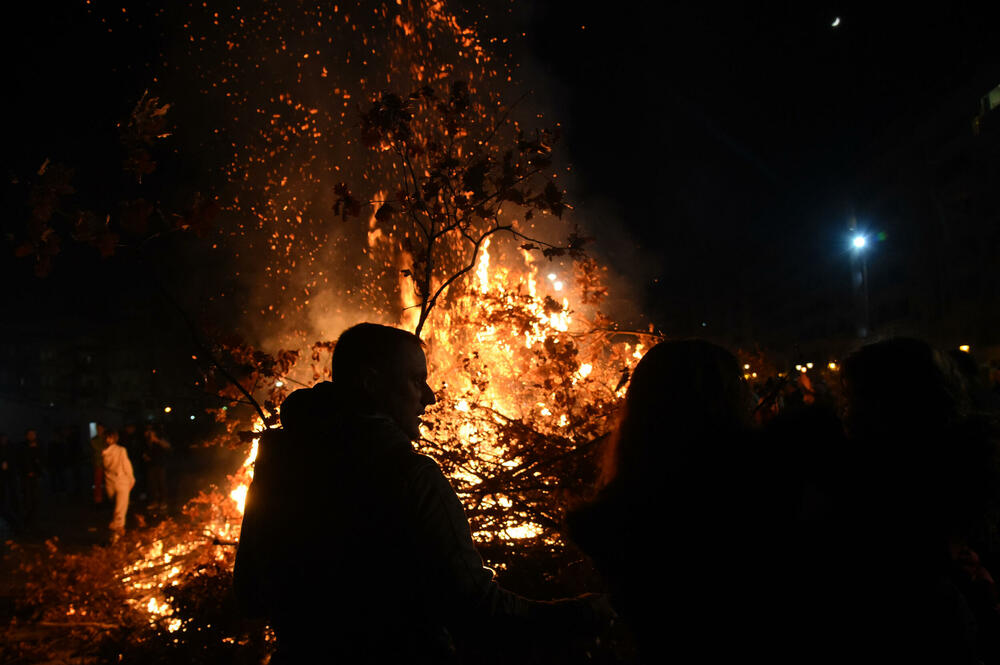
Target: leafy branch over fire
column 462, row 176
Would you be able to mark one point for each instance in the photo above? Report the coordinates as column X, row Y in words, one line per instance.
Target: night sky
column 726, row 138
column 712, row 147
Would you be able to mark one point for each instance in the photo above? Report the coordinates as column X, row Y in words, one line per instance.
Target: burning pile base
column 161, row 594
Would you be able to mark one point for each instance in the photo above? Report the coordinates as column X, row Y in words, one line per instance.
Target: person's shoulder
column 420, row 472
column 308, row 409
column 276, row 449
column 421, row 462
column 272, row 437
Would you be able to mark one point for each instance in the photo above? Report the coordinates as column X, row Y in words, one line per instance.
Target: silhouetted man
column 354, row 547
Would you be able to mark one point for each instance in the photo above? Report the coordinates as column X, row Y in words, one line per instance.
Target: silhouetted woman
column 675, row 530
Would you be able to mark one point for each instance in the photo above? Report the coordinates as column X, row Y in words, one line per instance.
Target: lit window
column 991, row 100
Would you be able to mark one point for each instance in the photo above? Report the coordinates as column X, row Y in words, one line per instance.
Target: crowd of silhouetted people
column 856, row 530
column 102, row 469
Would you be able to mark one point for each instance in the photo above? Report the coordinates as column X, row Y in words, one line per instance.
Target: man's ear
column 371, row 383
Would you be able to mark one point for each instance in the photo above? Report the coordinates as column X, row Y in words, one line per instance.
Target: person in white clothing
column 118, row 481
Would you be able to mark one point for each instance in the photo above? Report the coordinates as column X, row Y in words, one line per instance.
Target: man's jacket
column 354, row 544
column 118, row 472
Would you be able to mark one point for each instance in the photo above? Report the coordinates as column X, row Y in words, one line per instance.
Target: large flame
column 517, row 355
column 244, row 475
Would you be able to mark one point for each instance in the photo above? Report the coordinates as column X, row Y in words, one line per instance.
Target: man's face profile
column 406, row 390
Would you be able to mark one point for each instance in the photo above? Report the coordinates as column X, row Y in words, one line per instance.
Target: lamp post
column 859, row 244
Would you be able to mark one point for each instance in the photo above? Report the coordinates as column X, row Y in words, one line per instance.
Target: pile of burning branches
column 530, row 386
column 526, row 387
column 162, row 594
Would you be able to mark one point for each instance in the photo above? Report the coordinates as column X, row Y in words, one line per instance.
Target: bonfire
column 451, row 224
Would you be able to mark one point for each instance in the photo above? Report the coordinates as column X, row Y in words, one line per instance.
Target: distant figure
column 767, row 400
column 792, row 395
column 30, row 469
column 97, row 446
column 154, row 456
column 681, row 529
column 806, row 389
column 977, row 388
column 118, row 481
column 10, row 494
column 342, row 508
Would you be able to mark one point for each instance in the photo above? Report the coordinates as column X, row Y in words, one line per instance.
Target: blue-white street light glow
column 859, row 242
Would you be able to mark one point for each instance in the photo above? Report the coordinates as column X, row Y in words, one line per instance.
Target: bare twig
column 503, row 118
column 78, row 624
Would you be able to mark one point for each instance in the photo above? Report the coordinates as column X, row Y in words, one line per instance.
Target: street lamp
column 859, row 243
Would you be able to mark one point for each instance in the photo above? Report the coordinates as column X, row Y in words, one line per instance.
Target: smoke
column 629, row 267
column 269, row 101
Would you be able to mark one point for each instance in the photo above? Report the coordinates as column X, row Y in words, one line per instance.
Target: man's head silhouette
column 382, row 370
